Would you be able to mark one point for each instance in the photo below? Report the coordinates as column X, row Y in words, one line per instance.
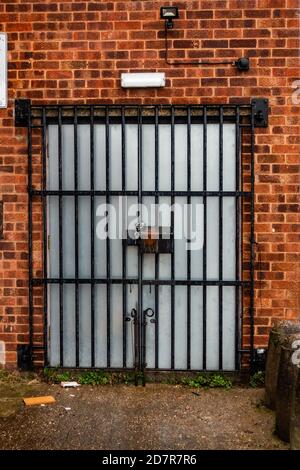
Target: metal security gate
column 137, row 298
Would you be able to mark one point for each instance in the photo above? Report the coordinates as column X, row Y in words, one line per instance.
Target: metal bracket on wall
column 24, row 357
column 259, row 360
column 22, row 112
column 1, row 219
column 260, row 107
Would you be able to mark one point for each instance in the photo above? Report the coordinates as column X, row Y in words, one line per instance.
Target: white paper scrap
column 69, row 384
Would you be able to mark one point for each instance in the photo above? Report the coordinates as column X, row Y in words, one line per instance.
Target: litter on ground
column 69, row 384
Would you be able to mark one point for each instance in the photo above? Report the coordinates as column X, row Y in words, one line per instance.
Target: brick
column 242, row 43
column 228, row 13
column 213, row 24
column 257, row 13
column 218, row 82
column 285, row 52
column 199, row 14
column 128, row 25
column 18, row 8
column 215, row 44
column 100, row 6
column 227, row 33
column 45, row 7
column 18, row 27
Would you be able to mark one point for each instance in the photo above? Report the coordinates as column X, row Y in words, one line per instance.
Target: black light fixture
column 169, row 14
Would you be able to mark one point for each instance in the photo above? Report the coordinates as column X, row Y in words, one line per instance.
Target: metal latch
column 151, row 239
column 22, row 112
column 260, row 109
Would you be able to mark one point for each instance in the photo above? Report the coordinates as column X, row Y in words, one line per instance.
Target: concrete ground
column 124, row 417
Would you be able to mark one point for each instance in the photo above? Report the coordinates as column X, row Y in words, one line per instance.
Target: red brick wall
column 69, row 50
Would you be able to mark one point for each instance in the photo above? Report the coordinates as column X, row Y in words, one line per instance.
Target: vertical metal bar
column 140, row 255
column 107, row 177
column 156, row 254
column 30, row 228
column 45, row 247
column 92, row 215
column 242, row 291
column 204, row 232
column 252, row 241
column 136, row 340
column 221, row 239
column 76, row 237
column 237, row 239
column 172, row 232
column 124, row 247
column 60, row 242
column 189, row 236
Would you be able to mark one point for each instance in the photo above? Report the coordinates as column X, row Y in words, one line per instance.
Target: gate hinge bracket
column 22, row 112
column 24, row 353
column 260, row 109
column 258, row 360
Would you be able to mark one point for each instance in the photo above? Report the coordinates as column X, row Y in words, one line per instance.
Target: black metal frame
column 38, row 118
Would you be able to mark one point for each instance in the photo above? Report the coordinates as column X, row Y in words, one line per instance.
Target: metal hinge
column 24, row 353
column 260, row 109
column 259, row 360
column 22, row 112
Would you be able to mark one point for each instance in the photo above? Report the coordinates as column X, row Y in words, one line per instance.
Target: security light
column 169, row 14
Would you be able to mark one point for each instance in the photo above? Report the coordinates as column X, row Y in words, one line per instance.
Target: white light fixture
column 3, row 70
column 143, row 80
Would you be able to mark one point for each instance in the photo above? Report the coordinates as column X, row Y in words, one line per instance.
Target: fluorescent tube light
column 143, row 80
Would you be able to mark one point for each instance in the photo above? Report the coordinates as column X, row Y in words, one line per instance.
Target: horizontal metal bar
column 148, row 113
column 194, row 371
column 147, row 120
column 145, row 106
column 158, row 370
column 37, row 192
column 145, row 282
